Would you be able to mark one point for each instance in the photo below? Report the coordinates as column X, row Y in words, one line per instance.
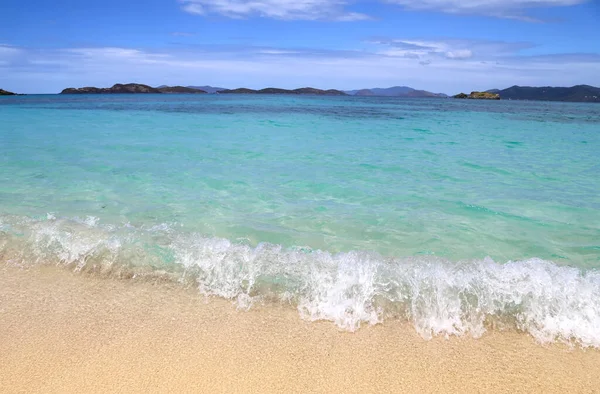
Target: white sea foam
column 551, row 302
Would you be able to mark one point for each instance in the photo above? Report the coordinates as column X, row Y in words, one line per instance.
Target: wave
column 548, row 301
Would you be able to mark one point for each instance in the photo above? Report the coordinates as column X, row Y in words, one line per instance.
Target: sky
column 445, row 46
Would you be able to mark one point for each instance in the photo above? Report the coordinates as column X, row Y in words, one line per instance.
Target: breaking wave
column 548, row 301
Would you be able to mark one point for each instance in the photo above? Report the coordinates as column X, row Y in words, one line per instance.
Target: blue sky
column 438, row 45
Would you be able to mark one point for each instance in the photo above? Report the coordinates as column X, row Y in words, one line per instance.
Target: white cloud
column 516, row 9
column 111, row 54
column 422, row 49
column 193, row 8
column 459, row 54
column 275, row 9
column 121, row 53
column 182, row 34
column 276, row 52
column 454, row 49
column 336, row 9
column 7, row 50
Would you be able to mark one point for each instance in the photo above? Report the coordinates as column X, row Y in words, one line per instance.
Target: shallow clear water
column 351, row 208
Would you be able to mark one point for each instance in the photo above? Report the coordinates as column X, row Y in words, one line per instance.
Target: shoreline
column 62, row 332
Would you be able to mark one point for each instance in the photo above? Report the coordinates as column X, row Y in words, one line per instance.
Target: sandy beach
column 62, row 332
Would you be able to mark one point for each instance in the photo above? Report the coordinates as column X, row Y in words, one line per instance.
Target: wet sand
column 62, row 332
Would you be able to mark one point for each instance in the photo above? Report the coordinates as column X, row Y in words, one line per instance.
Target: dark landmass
column 578, row 93
column 273, row 91
column 118, row 88
column 395, row 91
column 312, row 91
column 131, row 88
column 362, row 92
column 6, row 93
column 478, row 96
column 329, row 92
column 180, row 90
column 139, row 88
column 239, row 91
column 207, row 89
column 425, row 94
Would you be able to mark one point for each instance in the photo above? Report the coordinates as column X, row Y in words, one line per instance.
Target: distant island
column 578, row 93
column 132, row 88
column 478, row 96
column 6, row 93
column 140, row 88
column 396, row 91
column 206, row 88
column 312, row 91
column 180, row 90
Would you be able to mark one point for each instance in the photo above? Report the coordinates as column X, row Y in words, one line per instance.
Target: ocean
column 458, row 216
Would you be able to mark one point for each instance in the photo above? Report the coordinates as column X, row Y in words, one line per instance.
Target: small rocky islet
column 478, row 96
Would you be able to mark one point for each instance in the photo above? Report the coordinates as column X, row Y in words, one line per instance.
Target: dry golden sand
column 61, row 332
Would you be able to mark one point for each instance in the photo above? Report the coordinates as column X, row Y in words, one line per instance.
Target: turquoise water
column 353, row 209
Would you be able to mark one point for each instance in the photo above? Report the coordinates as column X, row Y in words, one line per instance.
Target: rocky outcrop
column 484, row 96
column 6, row 93
column 478, row 96
column 461, row 96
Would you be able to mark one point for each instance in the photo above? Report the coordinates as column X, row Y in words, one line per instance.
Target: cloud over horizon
column 335, row 10
column 512, row 9
column 456, row 49
column 437, row 45
column 275, row 9
column 450, row 68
